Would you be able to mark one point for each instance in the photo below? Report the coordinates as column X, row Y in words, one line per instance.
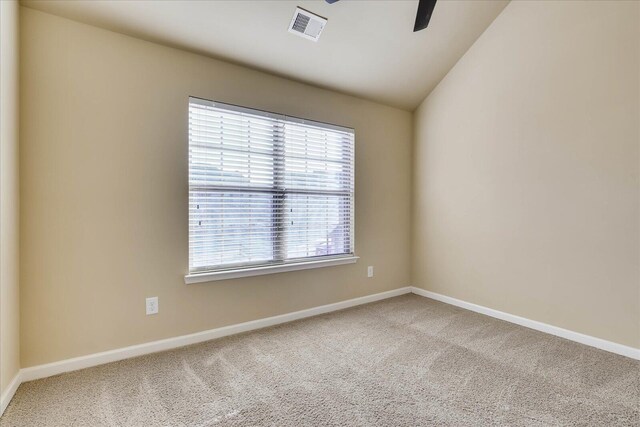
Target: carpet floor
column 405, row 361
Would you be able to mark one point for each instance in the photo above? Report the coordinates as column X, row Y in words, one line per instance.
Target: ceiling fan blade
column 425, row 9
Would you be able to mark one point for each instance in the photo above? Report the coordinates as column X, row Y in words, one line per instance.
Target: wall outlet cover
column 152, row 305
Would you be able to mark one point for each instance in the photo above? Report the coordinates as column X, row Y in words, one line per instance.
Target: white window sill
column 210, row 276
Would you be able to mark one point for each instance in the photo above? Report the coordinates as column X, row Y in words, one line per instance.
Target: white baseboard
column 49, row 369
column 76, row 363
column 609, row 346
column 7, row 395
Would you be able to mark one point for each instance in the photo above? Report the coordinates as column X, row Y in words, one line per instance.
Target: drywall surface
column 9, row 194
column 526, row 170
column 104, row 192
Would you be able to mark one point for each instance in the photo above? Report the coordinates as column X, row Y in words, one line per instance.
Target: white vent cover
column 306, row 24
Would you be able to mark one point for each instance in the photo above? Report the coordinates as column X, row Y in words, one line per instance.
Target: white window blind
column 266, row 189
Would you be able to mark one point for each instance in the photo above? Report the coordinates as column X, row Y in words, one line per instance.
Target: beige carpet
column 405, row 361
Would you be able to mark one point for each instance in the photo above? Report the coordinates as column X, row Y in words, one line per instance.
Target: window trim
column 279, row 266
column 234, row 273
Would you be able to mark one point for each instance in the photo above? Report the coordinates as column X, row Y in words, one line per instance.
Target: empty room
column 319, row 213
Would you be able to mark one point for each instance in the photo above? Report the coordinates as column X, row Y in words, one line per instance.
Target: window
column 266, row 191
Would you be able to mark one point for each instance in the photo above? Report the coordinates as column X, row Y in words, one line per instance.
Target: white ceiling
column 368, row 48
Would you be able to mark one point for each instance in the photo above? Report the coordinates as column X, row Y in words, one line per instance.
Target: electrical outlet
column 370, row 271
column 152, row 305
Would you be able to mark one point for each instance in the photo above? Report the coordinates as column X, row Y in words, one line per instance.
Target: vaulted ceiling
column 367, row 49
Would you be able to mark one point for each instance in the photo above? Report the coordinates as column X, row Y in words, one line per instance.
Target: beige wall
column 9, row 195
column 526, row 176
column 104, row 192
column 525, row 188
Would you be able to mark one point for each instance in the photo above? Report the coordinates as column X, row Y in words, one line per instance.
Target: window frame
column 280, row 263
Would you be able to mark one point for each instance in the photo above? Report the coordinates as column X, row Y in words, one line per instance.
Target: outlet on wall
column 370, row 271
column 152, row 305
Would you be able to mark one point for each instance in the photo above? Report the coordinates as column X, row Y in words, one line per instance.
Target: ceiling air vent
column 306, row 24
